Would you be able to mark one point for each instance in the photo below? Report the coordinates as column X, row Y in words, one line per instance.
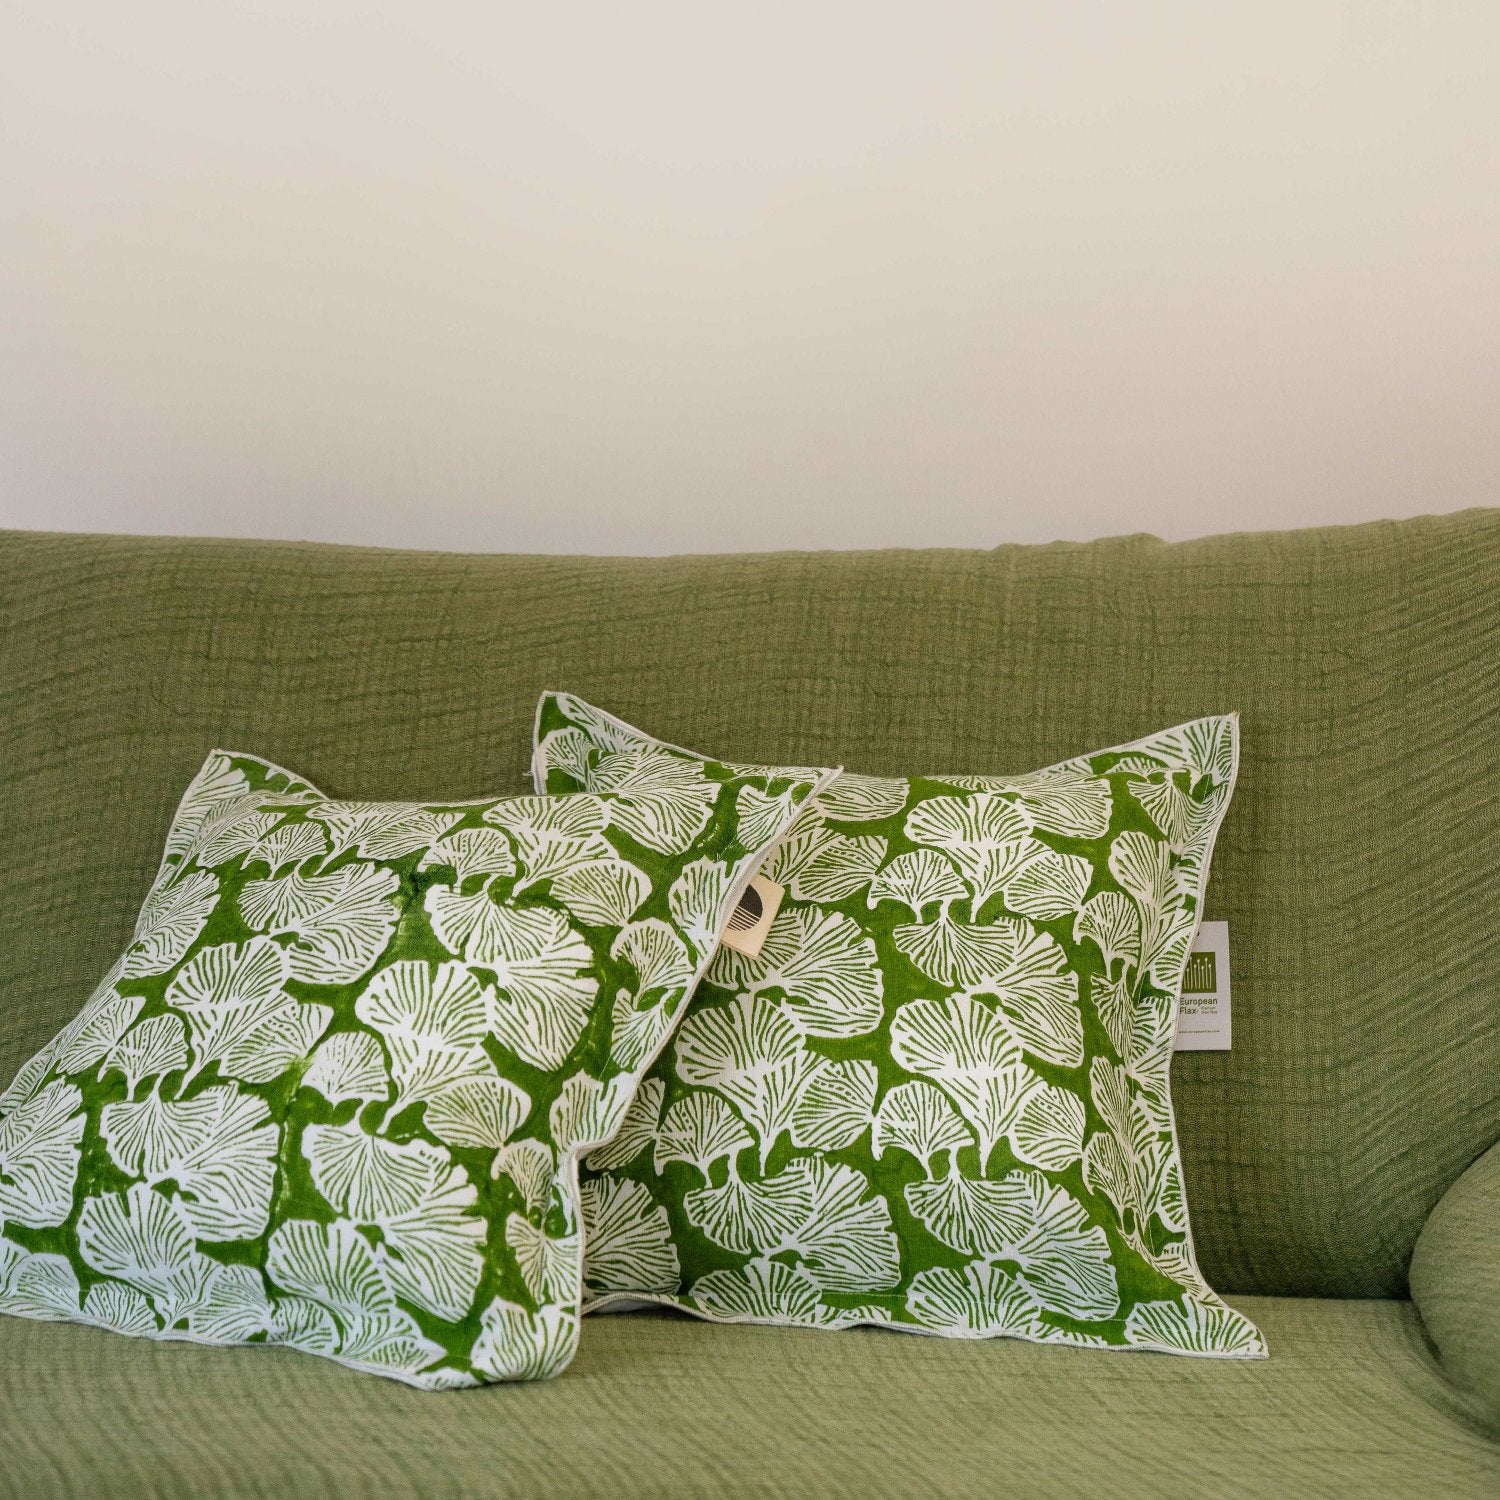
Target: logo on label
column 1202, row 976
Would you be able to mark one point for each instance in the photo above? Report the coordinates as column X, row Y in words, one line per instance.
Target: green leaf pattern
column 939, row 1097
column 334, row 1093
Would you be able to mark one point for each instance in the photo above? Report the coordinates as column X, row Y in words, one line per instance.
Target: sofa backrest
column 1359, row 867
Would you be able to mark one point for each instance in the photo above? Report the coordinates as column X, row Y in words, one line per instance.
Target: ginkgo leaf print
column 26, row 1084
column 1053, row 885
column 471, row 851
column 477, row 1113
column 701, row 1130
column 233, row 1307
column 916, row 1117
column 218, row 1149
column 973, row 1214
column 1031, row 978
column 821, row 962
column 548, row 1264
column 835, row 1104
column 339, row 923
column 603, row 892
column 431, row 1019
column 1167, row 805
column 39, row 1156
column 109, row 1304
column 637, row 1130
column 966, row 1047
column 628, row 1239
column 238, row 1014
column 1048, row 1131
column 1116, row 1007
column 348, row 1065
column 153, row 1046
column 917, row 880
column 545, row 985
column 844, row 1238
column 345, row 1306
column 816, row 863
column 1143, row 867
column 258, row 834
column 517, row 1344
column 660, row 799
column 981, row 1299
column 956, row 954
column 759, row 815
column 553, row 834
column 658, row 956
column 762, row 1291
column 697, row 898
column 569, row 752
column 37, row 1285
column 747, row 1217
column 1063, row 1256
column 1195, row 1326
column 1113, row 923
column 1066, row 800
column 219, row 784
column 855, row 798
column 984, row 834
column 423, row 1205
column 587, row 1112
column 637, row 1027
column 90, row 1035
column 751, row 1053
column 379, row 831
column 144, row 1238
column 173, row 916
column 530, row 1166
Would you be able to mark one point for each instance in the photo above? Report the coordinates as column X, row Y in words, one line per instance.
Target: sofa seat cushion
column 657, row 1404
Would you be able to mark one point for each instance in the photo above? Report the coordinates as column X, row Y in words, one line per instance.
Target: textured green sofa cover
column 1340, row 1165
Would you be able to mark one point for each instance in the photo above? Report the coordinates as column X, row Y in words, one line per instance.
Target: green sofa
column 1341, row 1160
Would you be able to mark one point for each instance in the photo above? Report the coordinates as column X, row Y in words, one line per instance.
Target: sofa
column 1341, row 1159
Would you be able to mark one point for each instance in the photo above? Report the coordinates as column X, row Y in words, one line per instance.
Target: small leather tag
column 747, row 929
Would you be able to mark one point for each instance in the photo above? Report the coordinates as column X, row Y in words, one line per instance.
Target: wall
column 698, row 277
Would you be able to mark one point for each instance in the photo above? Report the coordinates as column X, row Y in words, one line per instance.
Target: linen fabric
column 939, row 1096
column 333, row 1094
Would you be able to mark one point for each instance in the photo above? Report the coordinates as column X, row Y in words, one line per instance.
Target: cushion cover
column 333, row 1093
column 939, row 1097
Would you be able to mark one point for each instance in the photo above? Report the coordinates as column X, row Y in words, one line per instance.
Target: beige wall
column 704, row 276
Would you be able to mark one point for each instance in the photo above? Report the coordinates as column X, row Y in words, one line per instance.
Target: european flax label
column 1203, row 1015
column 747, row 929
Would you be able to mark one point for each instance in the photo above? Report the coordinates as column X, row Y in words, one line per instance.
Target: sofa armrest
column 1455, row 1282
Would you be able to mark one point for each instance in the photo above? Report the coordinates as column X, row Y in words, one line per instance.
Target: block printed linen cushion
column 939, row 1097
column 334, row 1093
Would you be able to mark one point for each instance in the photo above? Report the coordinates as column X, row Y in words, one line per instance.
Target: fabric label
column 1203, row 1015
column 747, row 929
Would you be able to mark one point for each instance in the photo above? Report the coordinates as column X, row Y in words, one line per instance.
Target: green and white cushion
column 333, row 1094
column 939, row 1098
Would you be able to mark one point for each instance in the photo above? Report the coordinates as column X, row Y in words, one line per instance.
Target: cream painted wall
column 655, row 277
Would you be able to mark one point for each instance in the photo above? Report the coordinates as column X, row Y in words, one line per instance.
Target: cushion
column 939, row 1097
column 333, row 1093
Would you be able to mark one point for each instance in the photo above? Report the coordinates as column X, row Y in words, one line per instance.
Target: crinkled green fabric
column 659, row 1407
column 1455, row 1283
column 1352, row 868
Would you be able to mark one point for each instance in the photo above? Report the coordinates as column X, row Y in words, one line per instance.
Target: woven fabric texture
column 1360, row 849
column 655, row 1405
column 1455, row 1283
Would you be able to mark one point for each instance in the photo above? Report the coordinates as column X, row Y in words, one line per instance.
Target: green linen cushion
column 939, row 1097
column 334, row 1093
